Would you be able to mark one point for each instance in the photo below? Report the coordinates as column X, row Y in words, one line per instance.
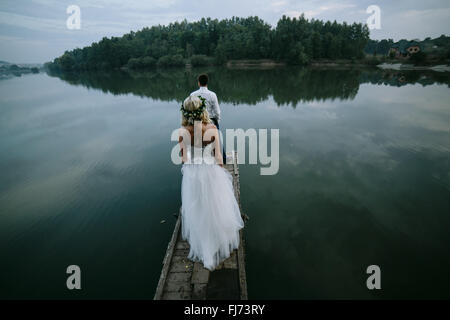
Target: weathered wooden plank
column 231, row 262
column 182, row 244
column 181, row 266
column 180, row 258
column 241, row 267
column 200, row 274
column 199, row 291
column 177, row 287
column 184, row 277
column 229, row 160
column 176, row 296
column 167, row 260
column 181, row 252
column 235, row 163
column 241, row 252
column 223, row 284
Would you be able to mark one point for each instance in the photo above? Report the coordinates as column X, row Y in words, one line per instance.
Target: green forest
column 295, row 41
column 293, row 86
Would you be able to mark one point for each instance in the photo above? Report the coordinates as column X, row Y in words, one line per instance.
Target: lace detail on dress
column 197, row 155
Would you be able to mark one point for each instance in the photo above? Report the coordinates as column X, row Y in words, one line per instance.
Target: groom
column 212, row 104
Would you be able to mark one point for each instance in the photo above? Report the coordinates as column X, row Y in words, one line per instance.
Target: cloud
column 310, row 10
column 278, row 4
column 427, row 14
column 23, row 41
column 32, row 23
column 118, row 4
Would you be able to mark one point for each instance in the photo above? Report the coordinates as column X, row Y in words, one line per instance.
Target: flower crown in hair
column 194, row 114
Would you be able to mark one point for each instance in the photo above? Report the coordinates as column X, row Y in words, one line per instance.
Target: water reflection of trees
column 250, row 86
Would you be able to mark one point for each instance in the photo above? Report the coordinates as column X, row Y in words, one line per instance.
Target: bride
column 210, row 215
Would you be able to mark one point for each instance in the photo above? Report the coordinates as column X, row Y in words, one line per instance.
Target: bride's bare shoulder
column 210, row 132
column 184, row 132
column 210, row 126
column 186, row 128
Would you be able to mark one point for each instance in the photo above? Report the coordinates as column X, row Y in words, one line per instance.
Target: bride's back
column 207, row 134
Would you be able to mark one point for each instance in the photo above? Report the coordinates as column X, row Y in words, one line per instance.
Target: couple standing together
column 210, row 215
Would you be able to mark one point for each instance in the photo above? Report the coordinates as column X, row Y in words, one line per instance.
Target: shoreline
column 407, row 67
column 273, row 64
column 249, row 63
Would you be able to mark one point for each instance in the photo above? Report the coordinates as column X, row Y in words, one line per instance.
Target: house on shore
column 404, row 49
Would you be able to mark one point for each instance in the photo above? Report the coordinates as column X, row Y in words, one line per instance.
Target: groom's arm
column 215, row 107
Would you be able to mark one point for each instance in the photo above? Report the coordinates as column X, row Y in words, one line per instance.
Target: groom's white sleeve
column 216, row 107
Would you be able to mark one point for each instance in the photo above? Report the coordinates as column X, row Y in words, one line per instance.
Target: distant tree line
column 294, row 85
column 210, row 41
column 17, row 70
column 378, row 47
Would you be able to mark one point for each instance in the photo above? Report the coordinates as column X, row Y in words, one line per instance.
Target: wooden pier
column 182, row 279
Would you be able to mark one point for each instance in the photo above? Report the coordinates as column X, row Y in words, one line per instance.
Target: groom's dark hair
column 203, row 79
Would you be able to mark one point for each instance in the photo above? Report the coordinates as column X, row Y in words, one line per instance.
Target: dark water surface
column 364, row 178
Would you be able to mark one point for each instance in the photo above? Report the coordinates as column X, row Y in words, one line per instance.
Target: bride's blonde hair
column 190, row 104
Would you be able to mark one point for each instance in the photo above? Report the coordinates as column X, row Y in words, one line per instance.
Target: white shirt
column 212, row 104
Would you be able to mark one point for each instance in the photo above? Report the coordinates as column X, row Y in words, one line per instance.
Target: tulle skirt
column 210, row 214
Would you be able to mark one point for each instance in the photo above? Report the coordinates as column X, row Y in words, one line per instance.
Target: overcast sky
column 36, row 31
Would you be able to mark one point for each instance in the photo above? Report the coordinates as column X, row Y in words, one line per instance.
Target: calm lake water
column 364, row 178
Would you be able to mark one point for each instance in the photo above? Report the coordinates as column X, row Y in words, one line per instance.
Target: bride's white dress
column 210, row 214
